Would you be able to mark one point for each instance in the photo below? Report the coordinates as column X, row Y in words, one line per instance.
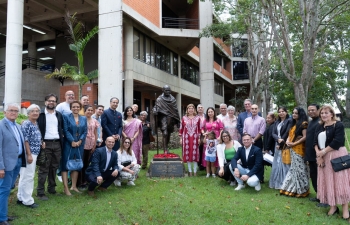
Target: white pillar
column 14, row 45
column 32, row 54
column 206, row 56
column 179, row 103
column 110, row 39
column 128, row 63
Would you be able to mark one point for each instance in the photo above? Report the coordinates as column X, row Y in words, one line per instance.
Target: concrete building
column 138, row 50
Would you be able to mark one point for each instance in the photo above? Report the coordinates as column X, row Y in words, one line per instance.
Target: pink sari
column 130, row 129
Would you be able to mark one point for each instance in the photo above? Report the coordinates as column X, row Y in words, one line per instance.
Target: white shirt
column 221, row 117
column 51, row 129
column 247, row 151
column 122, row 157
column 64, row 108
column 109, row 154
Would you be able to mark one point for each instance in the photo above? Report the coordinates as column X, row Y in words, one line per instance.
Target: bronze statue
column 167, row 114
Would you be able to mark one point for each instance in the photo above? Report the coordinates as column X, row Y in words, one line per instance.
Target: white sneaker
column 130, row 183
column 258, row 187
column 208, row 175
column 233, row 183
column 213, row 175
column 239, row 187
column 59, row 178
column 117, row 183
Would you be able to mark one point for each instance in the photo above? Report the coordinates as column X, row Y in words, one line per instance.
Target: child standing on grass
column 210, row 152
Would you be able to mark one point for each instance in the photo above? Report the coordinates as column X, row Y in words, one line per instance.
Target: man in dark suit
column 112, row 123
column 103, row 168
column 251, row 169
column 12, row 156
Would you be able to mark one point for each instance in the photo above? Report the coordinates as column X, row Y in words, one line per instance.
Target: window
column 189, row 71
column 239, row 48
column 218, row 86
column 147, row 50
column 240, row 70
column 217, row 58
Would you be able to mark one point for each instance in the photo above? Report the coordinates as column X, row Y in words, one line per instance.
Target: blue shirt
column 32, row 134
column 17, row 134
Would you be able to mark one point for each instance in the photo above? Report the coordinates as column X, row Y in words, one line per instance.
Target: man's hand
column 99, row 180
column 2, row 174
column 221, row 172
column 244, row 177
column 29, row 159
column 115, row 173
column 236, row 173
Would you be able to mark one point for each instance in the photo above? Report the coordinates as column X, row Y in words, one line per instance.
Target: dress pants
column 26, row 183
column 145, row 149
column 5, row 187
column 53, row 154
column 252, row 181
column 108, row 179
column 313, row 174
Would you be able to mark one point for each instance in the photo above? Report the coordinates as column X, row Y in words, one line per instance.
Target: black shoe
column 335, row 212
column 42, row 197
column 19, row 202
column 314, row 199
column 323, row 205
column 11, row 218
column 32, row 206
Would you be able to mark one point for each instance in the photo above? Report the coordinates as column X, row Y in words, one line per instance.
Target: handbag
column 286, row 156
column 341, row 163
column 42, row 158
column 126, row 163
column 74, row 164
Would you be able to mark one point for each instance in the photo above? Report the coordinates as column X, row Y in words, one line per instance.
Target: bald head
column 254, row 109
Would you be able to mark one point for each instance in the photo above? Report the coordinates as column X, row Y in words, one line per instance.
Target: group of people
column 107, row 145
column 236, row 148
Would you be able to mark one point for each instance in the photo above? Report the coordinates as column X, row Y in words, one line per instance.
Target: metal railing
column 184, row 23
column 240, row 76
column 33, row 63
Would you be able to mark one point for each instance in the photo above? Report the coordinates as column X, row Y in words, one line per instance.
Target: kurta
column 190, row 129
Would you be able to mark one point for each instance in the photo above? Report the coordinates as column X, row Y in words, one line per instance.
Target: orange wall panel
column 225, row 47
column 147, row 8
column 195, row 50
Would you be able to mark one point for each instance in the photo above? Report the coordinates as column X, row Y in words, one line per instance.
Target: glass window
column 136, row 40
column 175, row 64
column 218, row 87
column 142, row 47
column 189, row 71
column 239, row 48
column 148, row 50
column 217, row 58
column 152, row 54
column 240, row 70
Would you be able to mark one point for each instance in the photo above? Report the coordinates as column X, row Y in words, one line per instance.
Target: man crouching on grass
column 251, row 169
column 103, row 168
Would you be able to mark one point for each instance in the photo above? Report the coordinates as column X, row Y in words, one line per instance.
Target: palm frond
column 92, row 74
column 81, row 43
column 75, row 28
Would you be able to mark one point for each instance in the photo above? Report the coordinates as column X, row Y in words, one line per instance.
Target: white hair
column 223, row 104
column 144, row 113
column 230, row 107
column 32, row 107
column 12, row 105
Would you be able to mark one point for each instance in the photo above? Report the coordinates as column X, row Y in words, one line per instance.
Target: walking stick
column 156, row 120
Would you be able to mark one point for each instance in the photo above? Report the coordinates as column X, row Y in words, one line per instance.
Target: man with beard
column 50, row 124
column 167, row 115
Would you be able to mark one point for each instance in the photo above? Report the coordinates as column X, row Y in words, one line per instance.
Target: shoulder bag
column 74, row 164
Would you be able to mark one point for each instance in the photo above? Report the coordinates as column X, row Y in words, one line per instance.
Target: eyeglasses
column 12, row 111
column 69, row 94
column 225, row 136
column 127, row 143
column 52, row 101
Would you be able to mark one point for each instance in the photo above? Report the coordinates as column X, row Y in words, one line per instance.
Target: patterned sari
column 130, row 129
column 296, row 183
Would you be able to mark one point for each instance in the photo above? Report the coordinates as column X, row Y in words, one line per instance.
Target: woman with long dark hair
column 280, row 134
column 296, row 183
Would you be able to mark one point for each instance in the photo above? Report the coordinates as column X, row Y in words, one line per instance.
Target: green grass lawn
column 189, row 200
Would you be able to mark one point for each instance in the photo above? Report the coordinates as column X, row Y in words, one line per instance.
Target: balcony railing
column 240, row 76
column 37, row 64
column 184, row 23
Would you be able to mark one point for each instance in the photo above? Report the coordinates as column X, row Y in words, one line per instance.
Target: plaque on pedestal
column 163, row 166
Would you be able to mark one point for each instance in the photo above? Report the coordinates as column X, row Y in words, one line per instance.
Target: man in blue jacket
column 103, row 168
column 251, row 168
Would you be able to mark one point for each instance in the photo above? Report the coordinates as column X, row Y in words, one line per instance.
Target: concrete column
column 128, row 62
column 179, row 66
column 110, row 41
column 32, row 55
column 14, row 42
column 179, row 103
column 206, row 56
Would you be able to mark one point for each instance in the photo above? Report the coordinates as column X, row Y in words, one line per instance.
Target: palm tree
column 77, row 43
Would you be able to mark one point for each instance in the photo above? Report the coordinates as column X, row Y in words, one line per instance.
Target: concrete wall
column 34, row 87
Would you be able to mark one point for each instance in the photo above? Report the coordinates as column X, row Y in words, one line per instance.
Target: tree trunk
column 300, row 96
column 347, row 97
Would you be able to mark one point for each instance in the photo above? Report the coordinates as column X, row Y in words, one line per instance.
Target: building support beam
column 110, row 39
column 128, row 62
column 14, row 45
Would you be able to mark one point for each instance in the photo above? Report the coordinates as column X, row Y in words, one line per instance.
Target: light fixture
column 41, row 49
column 46, row 58
column 25, row 52
column 53, row 47
column 35, row 30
